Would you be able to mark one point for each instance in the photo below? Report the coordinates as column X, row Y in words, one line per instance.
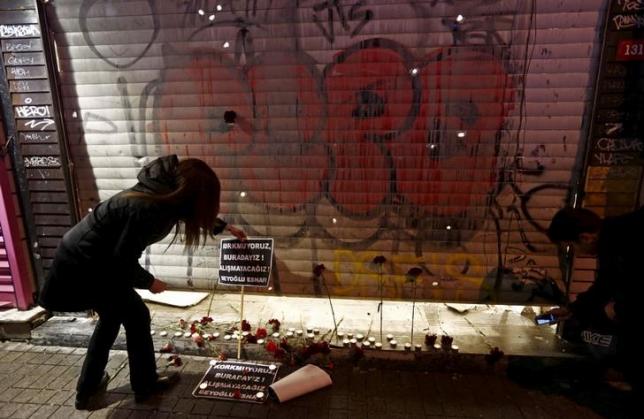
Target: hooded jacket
column 99, row 256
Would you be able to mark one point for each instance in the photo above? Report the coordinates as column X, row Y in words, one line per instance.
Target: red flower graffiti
column 446, row 163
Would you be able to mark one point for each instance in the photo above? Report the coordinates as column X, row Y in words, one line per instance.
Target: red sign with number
column 630, row 50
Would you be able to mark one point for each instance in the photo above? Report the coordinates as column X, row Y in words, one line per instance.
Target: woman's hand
column 238, row 233
column 158, row 286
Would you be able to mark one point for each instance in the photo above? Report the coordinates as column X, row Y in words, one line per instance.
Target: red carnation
column 275, row 324
column 251, row 339
column 175, row 361
column 271, row 346
column 222, row 357
column 430, row 340
column 205, row 320
column 261, row 333
column 237, row 394
column 168, row 347
column 245, row 326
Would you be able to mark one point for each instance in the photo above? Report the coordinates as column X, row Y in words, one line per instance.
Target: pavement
column 39, row 381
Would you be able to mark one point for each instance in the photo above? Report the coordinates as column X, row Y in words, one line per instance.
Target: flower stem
column 328, row 294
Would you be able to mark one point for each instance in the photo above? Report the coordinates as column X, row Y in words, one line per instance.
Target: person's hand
column 158, row 286
column 561, row 313
column 238, row 233
column 609, row 309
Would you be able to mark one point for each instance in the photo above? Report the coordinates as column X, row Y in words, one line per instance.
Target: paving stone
column 25, row 411
column 44, row 411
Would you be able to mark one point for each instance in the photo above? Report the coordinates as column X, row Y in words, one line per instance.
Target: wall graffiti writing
column 628, row 22
column 32, row 111
column 19, row 31
column 42, row 161
column 41, row 124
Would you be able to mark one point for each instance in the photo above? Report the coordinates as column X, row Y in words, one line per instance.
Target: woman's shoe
column 84, row 397
column 164, row 381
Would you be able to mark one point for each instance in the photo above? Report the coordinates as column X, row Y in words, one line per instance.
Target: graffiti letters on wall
column 344, row 129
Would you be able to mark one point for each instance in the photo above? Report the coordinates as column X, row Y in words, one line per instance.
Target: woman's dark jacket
column 99, row 256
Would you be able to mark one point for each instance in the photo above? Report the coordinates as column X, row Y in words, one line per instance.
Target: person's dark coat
column 620, row 277
column 99, row 256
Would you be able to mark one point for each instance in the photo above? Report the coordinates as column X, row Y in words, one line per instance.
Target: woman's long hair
column 196, row 199
column 197, row 195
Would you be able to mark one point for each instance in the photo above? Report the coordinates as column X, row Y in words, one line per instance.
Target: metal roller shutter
column 361, row 128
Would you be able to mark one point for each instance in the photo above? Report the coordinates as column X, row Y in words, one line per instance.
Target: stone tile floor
column 39, row 381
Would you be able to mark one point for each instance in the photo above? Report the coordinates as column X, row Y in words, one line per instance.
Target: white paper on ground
column 174, row 298
column 305, row 380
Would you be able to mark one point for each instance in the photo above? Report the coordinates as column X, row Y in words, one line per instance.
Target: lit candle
column 260, row 341
column 310, row 335
column 272, row 367
column 244, row 334
column 178, row 334
column 454, row 348
column 390, row 336
column 187, row 335
column 377, row 345
column 309, row 330
column 360, row 337
column 366, row 344
column 418, row 347
column 353, row 341
column 259, row 395
column 340, row 335
column 206, row 336
column 213, row 362
column 276, row 335
column 346, row 342
column 371, row 339
column 215, row 335
column 408, row 346
column 291, row 329
column 299, row 332
column 152, row 332
column 350, row 335
column 393, row 343
column 203, row 386
column 316, row 331
column 164, row 333
column 289, row 334
column 228, row 337
column 437, row 346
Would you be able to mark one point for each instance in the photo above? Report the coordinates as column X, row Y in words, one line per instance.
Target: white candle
column 152, row 332
column 187, row 335
column 276, row 335
column 340, row 335
column 408, row 346
column 289, row 334
column 418, row 347
column 206, row 336
column 346, row 342
column 271, row 367
column 393, row 343
column 353, row 341
column 390, row 336
column 454, row 348
column 437, row 346
column 203, row 386
column 299, row 332
column 244, row 334
column 378, row 345
column 228, row 337
column 350, row 335
column 310, row 335
column 291, row 329
column 309, row 330
column 259, row 395
column 371, row 339
column 316, row 331
column 260, row 341
column 213, row 362
column 178, row 334
column 215, row 335
column 163, row 333
column 360, row 337
column 366, row 344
